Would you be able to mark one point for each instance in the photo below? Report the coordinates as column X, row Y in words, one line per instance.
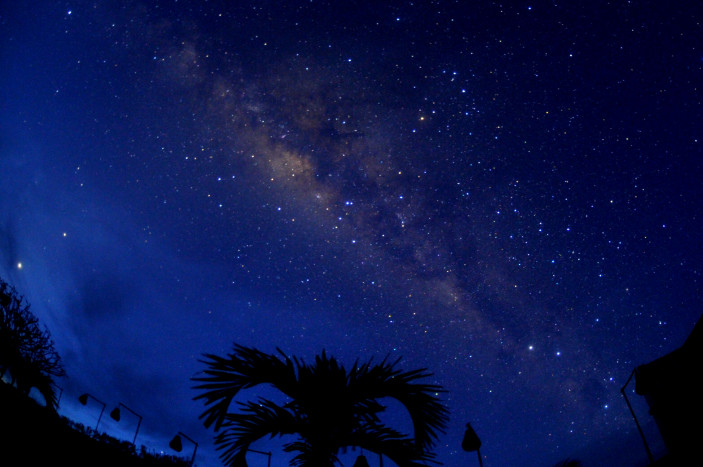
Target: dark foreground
column 33, row 435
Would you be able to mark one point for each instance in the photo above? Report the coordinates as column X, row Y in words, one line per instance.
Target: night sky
column 507, row 194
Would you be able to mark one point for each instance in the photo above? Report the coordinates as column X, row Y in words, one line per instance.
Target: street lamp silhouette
column 115, row 415
column 361, row 461
column 639, row 428
column 262, row 452
column 471, row 442
column 83, row 399
column 177, row 445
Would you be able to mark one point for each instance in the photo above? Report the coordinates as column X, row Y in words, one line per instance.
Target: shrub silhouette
column 329, row 408
column 26, row 350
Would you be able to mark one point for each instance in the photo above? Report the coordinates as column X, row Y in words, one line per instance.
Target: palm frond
column 399, row 448
column 427, row 413
column 243, row 368
column 253, row 422
column 309, row 455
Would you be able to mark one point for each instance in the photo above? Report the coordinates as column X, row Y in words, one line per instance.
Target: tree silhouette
column 328, row 407
column 26, row 350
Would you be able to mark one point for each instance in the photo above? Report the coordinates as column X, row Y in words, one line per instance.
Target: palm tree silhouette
column 329, row 408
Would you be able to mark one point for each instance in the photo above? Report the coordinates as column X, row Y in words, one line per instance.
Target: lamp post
column 177, row 445
column 471, row 442
column 362, row 462
column 639, row 428
column 264, row 453
column 115, row 415
column 83, row 399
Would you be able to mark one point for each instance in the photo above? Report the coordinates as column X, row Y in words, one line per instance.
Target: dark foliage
column 329, row 408
column 26, row 350
column 35, row 435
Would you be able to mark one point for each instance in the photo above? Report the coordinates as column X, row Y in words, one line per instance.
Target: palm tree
column 329, row 408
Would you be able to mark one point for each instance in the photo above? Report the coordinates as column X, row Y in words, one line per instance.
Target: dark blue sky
column 506, row 194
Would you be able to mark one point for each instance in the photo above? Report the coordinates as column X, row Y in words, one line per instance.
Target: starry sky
column 504, row 193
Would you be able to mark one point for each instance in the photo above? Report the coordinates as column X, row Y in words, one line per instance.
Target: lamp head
column 471, row 442
column 361, row 461
column 176, row 444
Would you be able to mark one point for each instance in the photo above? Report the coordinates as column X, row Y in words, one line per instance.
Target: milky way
column 505, row 195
